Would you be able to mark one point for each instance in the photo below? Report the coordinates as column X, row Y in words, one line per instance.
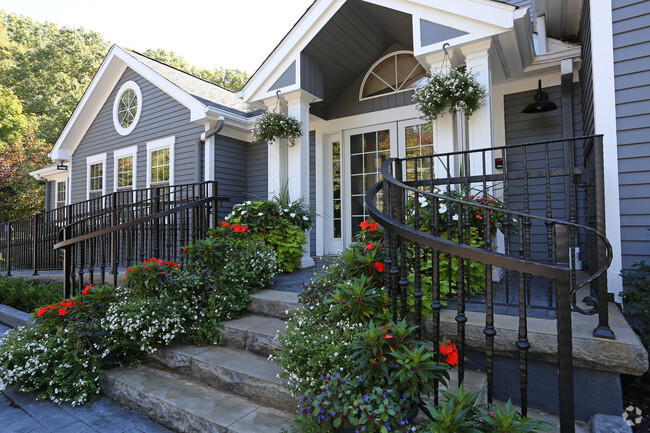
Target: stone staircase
column 232, row 388
column 226, row 389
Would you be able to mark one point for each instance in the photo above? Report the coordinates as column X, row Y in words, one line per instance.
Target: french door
column 353, row 164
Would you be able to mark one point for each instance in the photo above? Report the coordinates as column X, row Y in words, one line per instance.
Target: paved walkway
column 20, row 412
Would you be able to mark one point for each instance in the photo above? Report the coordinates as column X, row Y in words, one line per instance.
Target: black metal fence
column 29, row 243
column 452, row 220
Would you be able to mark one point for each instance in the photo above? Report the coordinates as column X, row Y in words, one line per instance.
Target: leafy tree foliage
column 232, row 79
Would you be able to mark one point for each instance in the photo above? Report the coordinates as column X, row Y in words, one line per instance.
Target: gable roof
column 206, row 101
column 209, row 93
column 486, row 17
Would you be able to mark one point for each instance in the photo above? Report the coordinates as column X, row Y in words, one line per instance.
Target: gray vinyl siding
column 527, row 128
column 258, row 171
column 287, row 78
column 631, row 28
column 312, row 188
column 586, row 74
column 519, row 3
column 50, row 195
column 231, row 171
column 348, row 103
column 162, row 116
column 311, row 76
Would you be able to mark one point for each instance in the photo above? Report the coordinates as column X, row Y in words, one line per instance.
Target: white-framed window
column 160, row 162
column 96, row 182
column 61, row 193
column 396, row 72
column 127, row 108
column 125, row 163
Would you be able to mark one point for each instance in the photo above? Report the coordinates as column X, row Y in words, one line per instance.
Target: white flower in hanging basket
column 453, row 90
column 273, row 125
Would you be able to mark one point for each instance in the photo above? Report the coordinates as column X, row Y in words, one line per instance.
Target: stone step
column 186, row 405
column 232, row 370
column 273, row 303
column 253, row 333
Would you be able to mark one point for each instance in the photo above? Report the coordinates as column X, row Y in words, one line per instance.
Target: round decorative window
column 127, row 107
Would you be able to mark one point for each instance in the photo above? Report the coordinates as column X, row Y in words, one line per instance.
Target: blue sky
column 234, row 34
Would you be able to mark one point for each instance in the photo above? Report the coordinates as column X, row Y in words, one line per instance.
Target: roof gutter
column 202, row 138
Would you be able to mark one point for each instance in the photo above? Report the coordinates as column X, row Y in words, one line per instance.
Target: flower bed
column 357, row 370
column 63, row 355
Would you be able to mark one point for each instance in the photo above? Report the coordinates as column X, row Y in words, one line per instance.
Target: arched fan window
column 396, row 72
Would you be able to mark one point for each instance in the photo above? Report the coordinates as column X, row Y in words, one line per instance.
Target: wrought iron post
column 215, row 215
column 114, row 239
column 602, row 330
column 156, row 224
column 67, row 264
column 35, row 243
column 564, row 333
column 8, row 229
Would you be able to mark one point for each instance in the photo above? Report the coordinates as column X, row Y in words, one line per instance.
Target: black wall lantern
column 541, row 104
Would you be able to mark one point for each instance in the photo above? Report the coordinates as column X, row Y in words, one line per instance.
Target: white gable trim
column 100, row 88
column 479, row 18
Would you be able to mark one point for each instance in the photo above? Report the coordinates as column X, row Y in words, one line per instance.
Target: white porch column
column 209, row 155
column 298, row 158
column 277, row 161
column 479, row 125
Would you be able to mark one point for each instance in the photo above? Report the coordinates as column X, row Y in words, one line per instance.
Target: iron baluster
column 522, row 343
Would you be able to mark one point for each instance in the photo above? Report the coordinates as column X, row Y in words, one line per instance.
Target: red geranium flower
column 62, row 311
column 370, row 246
column 239, row 228
column 373, row 227
column 449, row 350
column 364, row 224
column 68, row 303
column 379, row 266
column 42, row 311
column 224, row 224
column 184, row 251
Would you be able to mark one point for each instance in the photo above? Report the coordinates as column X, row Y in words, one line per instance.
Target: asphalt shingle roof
column 206, row 92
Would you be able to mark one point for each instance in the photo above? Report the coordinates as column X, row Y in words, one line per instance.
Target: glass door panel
column 368, row 150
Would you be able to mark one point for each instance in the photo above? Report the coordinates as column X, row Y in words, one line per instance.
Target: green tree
column 50, row 68
column 232, row 79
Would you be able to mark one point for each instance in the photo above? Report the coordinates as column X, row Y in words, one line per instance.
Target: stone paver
column 20, row 412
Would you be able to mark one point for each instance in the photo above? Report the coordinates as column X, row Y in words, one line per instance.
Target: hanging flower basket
column 454, row 90
column 273, row 125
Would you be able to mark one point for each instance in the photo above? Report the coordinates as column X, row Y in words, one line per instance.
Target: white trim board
column 121, row 153
column 92, row 160
column 161, row 143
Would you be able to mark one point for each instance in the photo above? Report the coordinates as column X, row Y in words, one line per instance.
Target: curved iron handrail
column 478, row 254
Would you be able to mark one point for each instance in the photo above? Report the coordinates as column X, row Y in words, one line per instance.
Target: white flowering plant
column 451, row 91
column 56, row 364
column 139, row 326
column 273, row 125
column 282, row 227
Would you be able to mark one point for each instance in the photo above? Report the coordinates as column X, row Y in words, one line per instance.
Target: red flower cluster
column 368, row 225
column 87, row 289
column 159, row 262
column 239, row 228
column 449, row 350
column 379, row 266
column 224, row 224
column 370, row 246
column 63, row 308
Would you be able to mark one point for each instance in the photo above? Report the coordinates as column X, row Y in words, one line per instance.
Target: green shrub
column 637, row 311
column 27, row 296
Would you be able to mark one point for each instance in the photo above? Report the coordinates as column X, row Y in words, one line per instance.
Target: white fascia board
column 289, row 50
column 49, row 173
column 102, row 84
column 483, row 11
column 233, row 120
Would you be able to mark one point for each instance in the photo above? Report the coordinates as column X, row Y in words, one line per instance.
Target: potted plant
column 273, row 125
column 452, row 90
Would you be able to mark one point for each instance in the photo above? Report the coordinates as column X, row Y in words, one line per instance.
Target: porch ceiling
column 356, row 37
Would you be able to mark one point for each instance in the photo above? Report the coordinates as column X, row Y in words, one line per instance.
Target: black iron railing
column 452, row 219
column 157, row 226
column 28, row 243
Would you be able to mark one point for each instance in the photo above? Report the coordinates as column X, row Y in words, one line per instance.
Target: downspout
column 201, row 139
